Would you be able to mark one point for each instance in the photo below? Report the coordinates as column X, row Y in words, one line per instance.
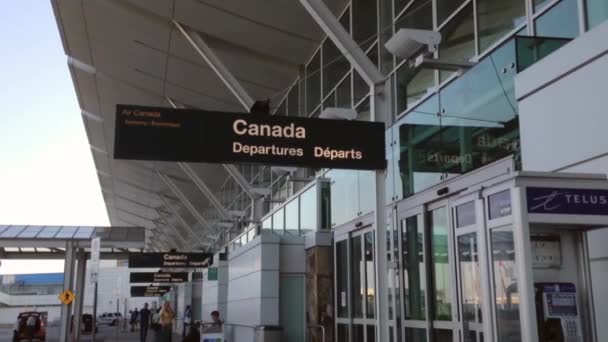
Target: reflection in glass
column 532, row 49
column 413, row 85
column 370, row 275
column 442, row 290
column 415, row 335
column 342, row 278
column 308, row 210
column 497, row 18
column 560, row 21
column 335, row 66
column 292, row 224
column 367, row 185
column 470, row 282
column 414, row 275
column 505, row 285
column 458, row 39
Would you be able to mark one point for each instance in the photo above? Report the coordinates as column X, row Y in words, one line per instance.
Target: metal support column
column 68, row 280
column 79, row 300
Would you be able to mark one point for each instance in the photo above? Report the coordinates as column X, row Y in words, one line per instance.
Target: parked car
column 30, row 326
column 109, row 318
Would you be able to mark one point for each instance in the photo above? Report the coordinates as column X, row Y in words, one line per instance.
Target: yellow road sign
column 66, row 297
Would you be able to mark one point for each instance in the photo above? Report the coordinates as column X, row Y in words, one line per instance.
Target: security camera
column 338, row 113
column 407, row 42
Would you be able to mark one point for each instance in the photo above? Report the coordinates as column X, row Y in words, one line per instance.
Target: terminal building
column 495, row 194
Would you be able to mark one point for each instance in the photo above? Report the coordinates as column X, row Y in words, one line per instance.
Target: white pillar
column 78, row 302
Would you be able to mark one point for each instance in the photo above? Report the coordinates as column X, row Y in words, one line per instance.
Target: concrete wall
column 253, row 285
column 564, row 127
column 215, row 292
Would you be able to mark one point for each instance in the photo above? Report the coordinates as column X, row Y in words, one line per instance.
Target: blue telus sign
column 567, row 201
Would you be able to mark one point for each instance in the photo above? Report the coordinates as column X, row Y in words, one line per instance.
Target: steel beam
column 178, row 235
column 201, row 47
column 182, row 197
column 202, row 186
column 323, row 16
column 181, row 219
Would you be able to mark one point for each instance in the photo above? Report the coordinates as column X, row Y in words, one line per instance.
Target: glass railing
column 31, row 290
column 530, row 50
column 468, row 123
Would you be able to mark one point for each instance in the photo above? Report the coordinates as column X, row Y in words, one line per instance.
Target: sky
column 47, row 175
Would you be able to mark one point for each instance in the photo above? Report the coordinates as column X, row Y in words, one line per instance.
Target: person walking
column 167, row 315
column 156, row 328
column 187, row 320
column 133, row 319
column 144, row 323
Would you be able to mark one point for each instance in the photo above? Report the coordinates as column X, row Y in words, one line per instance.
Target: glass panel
column 363, row 111
column 440, row 335
column 325, row 206
column 498, row 17
column 530, row 50
column 470, row 284
column 282, row 109
column 445, row 8
column 505, row 286
column 365, row 22
column 243, row 239
column 278, row 221
column 84, row 232
column 313, row 83
column 12, row 231
column 597, row 12
column 415, row 335
column 292, row 224
column 370, row 275
column 342, row 278
column 343, row 333
column 538, row 4
column 267, row 223
column 358, row 333
column 414, row 275
column 345, row 20
column 66, row 233
column 292, row 307
column 371, row 333
column 335, row 66
column 251, row 234
column 30, row 232
column 442, row 286
column 400, row 5
column 360, row 88
column 344, row 98
column 344, row 195
column 330, row 101
column 412, row 85
column 465, row 214
column 559, row 21
column 458, row 39
column 418, row 16
column 293, row 101
column 308, row 210
column 357, row 276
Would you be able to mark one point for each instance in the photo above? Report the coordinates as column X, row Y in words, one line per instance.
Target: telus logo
column 555, row 199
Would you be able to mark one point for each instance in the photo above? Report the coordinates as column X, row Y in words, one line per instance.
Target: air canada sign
column 166, row 134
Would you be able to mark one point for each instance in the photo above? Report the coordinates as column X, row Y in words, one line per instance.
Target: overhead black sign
column 167, row 134
column 170, row 260
column 158, row 277
column 149, row 291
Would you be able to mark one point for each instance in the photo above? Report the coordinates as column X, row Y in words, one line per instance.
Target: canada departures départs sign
column 188, row 135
